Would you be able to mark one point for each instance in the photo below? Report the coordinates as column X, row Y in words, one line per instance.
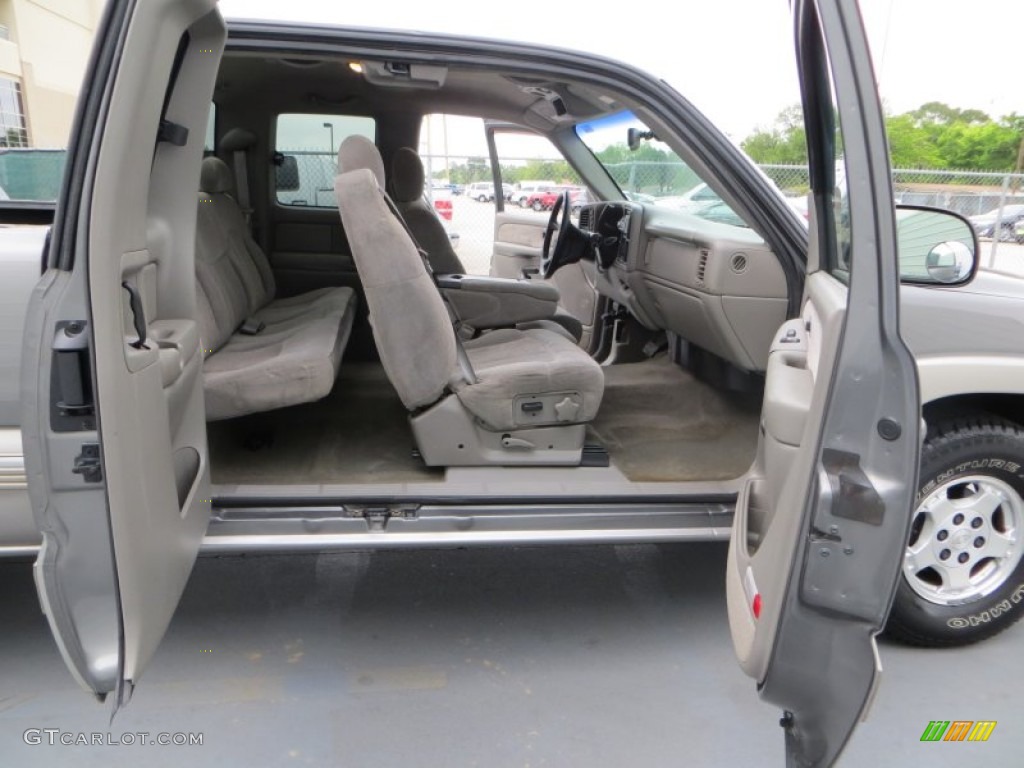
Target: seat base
column 448, row 436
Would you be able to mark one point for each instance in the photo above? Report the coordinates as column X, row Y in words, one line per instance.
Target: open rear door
column 113, row 417
column 820, row 528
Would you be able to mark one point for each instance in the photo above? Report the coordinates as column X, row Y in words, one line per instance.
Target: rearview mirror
column 634, row 136
column 935, row 246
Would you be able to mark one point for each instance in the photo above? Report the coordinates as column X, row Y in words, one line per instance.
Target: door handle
column 138, row 315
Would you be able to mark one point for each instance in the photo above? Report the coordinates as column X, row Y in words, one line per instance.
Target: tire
column 538, row 205
column 963, row 574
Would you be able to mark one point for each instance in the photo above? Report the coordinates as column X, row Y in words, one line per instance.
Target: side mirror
column 949, row 262
column 935, row 246
column 286, row 172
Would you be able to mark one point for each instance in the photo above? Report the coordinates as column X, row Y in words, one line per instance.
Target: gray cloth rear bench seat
column 260, row 352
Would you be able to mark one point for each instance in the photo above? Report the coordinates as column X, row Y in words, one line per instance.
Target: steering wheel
column 571, row 243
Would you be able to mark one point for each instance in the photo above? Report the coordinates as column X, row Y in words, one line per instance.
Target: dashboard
column 716, row 285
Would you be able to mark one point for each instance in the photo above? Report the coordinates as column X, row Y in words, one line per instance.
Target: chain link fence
column 455, row 182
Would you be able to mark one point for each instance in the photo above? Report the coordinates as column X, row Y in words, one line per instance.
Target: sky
column 732, row 58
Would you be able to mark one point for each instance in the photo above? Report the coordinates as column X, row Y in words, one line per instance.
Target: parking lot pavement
column 588, row 656
column 1009, row 257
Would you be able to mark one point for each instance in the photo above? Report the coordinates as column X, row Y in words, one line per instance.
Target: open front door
column 820, row 528
column 522, row 217
column 113, row 417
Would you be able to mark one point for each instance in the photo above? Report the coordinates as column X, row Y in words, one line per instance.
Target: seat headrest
column 237, row 139
column 406, row 175
column 215, row 177
column 358, row 152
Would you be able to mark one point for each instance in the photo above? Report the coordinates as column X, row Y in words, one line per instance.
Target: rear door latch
column 87, row 463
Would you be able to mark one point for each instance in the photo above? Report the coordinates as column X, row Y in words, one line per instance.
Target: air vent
column 738, row 263
column 585, row 215
column 702, row 266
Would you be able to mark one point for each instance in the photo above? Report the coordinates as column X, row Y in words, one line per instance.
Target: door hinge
column 378, row 516
column 87, row 463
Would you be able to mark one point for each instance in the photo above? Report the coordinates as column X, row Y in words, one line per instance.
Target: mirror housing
column 935, row 246
column 634, row 136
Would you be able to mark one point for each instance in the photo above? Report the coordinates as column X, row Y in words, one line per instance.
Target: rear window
column 307, row 149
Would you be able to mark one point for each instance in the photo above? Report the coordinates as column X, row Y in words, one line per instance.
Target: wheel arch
column 1008, row 406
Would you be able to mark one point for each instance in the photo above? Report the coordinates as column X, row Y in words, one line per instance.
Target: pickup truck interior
column 355, row 351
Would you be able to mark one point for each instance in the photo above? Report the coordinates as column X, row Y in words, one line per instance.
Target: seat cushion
column 512, row 366
column 294, row 359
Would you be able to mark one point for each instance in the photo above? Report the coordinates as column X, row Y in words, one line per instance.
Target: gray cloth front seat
column 526, row 395
column 407, row 183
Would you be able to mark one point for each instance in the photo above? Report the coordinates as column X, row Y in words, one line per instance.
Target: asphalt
column 579, row 656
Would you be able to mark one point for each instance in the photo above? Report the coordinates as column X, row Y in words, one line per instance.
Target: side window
column 459, row 184
column 306, row 147
column 534, row 172
column 826, row 160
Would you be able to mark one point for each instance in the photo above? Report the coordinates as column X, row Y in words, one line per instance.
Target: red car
column 545, row 199
column 443, row 208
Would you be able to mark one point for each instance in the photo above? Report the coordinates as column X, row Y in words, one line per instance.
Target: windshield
column 648, row 171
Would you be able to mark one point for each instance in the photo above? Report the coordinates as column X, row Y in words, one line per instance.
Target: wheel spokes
column 955, row 578
column 998, row 545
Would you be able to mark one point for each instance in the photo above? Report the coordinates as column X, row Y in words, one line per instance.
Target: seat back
column 217, row 183
column 407, row 179
column 411, row 326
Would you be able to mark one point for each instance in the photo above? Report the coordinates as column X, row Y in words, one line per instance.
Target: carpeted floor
column 358, row 434
column 659, row 423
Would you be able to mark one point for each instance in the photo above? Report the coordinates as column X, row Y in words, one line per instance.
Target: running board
column 282, row 529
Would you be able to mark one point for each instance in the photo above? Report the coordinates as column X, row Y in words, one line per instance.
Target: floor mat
column 358, row 434
column 659, row 423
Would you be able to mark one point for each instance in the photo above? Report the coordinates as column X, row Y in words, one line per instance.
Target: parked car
column 693, row 199
column 687, row 380
column 544, row 199
column 483, row 191
column 523, row 189
column 985, row 223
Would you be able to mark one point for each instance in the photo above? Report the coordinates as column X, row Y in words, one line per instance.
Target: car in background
column 544, row 200
column 985, row 223
column 693, row 199
column 524, row 189
column 440, row 196
column 483, row 191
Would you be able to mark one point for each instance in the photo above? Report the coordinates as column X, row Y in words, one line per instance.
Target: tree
column 935, row 135
column 783, row 143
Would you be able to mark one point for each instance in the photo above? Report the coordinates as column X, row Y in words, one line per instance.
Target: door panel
column 115, row 440
column 518, row 240
column 309, row 251
column 820, row 527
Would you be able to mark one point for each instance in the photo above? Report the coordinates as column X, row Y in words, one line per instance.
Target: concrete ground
column 587, row 656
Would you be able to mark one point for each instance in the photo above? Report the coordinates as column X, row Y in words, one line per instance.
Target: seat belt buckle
column 252, row 326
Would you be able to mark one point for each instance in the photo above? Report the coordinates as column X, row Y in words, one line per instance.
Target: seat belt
column 463, row 358
column 242, row 184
